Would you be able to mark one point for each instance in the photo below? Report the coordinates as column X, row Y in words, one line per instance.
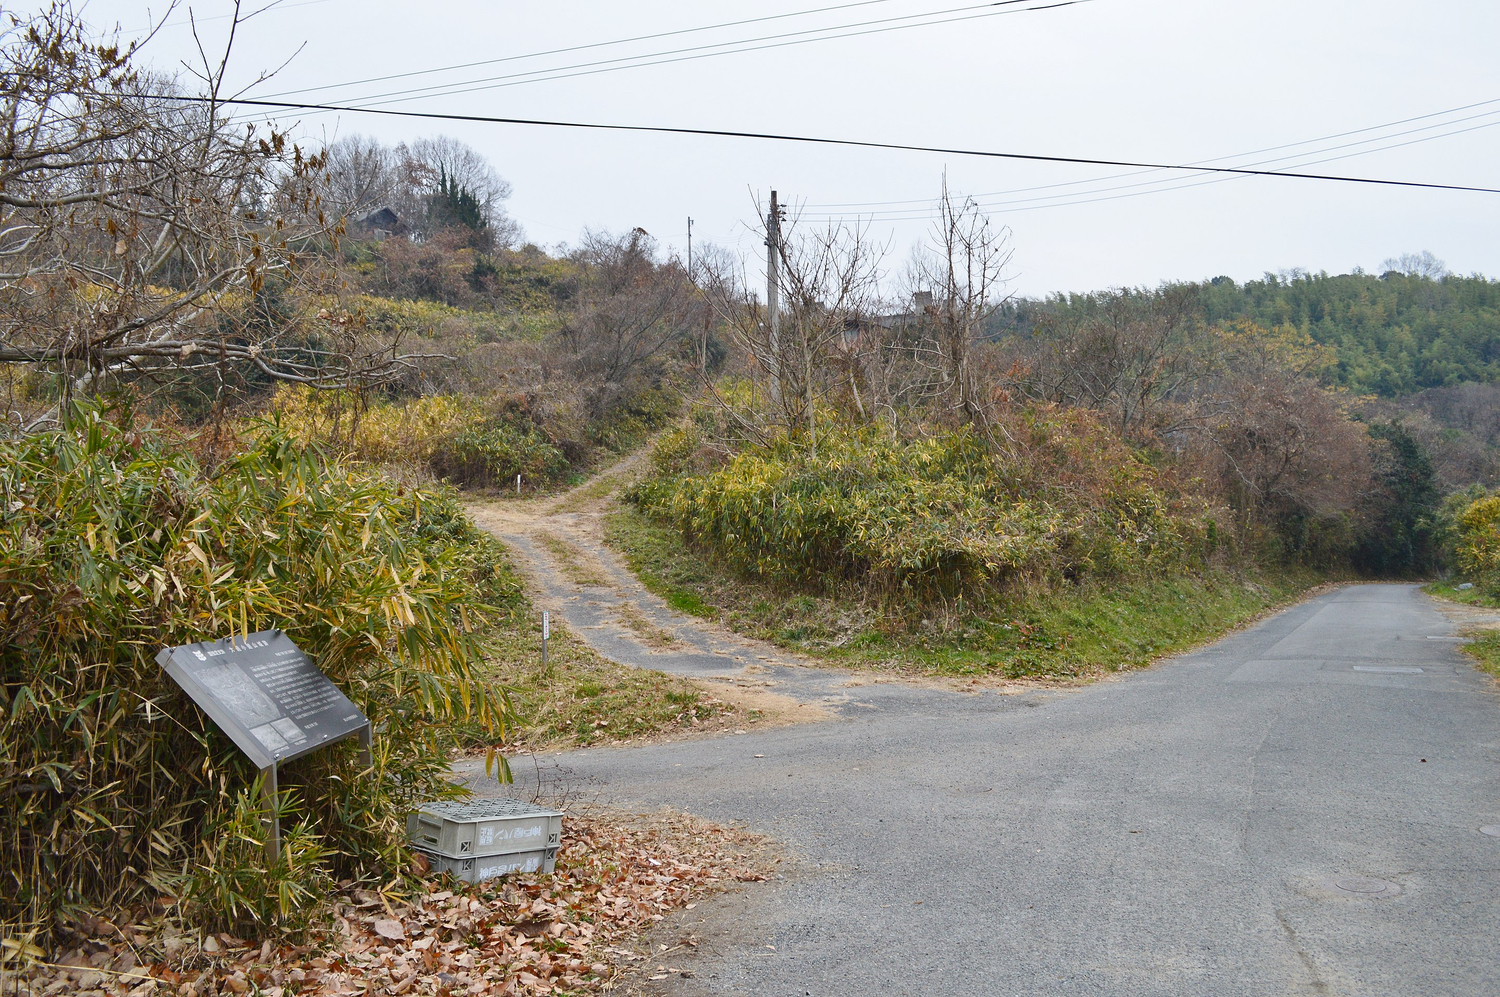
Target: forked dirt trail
column 559, row 545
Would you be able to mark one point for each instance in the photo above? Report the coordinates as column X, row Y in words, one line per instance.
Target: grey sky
column 1153, row 80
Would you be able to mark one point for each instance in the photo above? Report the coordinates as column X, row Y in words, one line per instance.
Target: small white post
column 518, row 484
column 546, row 633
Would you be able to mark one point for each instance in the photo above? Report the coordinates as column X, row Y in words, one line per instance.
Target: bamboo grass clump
column 932, row 516
column 114, row 789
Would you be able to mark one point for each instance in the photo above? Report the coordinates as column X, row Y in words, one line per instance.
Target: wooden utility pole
column 690, row 247
column 773, row 295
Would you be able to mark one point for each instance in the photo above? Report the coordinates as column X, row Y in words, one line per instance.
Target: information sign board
column 263, row 692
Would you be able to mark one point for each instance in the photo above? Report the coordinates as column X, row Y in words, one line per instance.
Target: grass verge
column 1484, row 643
column 590, row 493
column 581, row 698
column 1063, row 634
column 569, row 563
column 1468, row 597
column 1485, row 650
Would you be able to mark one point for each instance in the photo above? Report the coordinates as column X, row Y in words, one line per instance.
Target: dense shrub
column 494, row 452
column 938, row 515
column 115, row 788
column 468, row 440
column 1396, row 536
column 1475, row 537
column 1393, row 333
column 632, row 419
column 377, row 432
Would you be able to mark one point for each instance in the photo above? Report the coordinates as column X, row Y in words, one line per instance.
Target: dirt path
column 559, row 546
column 1468, row 617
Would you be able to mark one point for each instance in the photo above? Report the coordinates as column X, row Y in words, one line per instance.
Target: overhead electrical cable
column 1187, row 184
column 192, row 19
column 819, row 140
column 577, row 48
column 1296, row 161
column 712, row 50
column 1087, row 197
column 1196, row 163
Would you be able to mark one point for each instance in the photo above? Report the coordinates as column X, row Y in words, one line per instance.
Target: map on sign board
column 263, row 692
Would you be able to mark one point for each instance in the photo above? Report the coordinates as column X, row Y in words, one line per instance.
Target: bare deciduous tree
column 361, row 175
column 630, row 310
column 828, row 285
column 1127, row 356
column 1281, row 445
column 1422, row 264
column 957, row 282
column 140, row 229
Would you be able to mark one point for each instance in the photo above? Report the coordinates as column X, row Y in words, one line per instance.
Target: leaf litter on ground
column 575, row 931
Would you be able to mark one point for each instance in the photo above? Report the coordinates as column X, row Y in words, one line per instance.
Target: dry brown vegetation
column 573, row 931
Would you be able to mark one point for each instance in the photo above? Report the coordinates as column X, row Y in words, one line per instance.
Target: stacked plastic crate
column 482, row 839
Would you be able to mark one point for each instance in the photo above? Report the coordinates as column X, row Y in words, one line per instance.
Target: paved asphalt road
column 1295, row 810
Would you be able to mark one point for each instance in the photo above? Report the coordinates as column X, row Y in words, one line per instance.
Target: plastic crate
column 478, row 828
column 482, row 867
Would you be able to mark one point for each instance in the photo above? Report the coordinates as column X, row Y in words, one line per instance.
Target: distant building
column 380, row 225
column 921, row 306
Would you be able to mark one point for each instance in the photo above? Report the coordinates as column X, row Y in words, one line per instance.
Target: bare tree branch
column 144, row 234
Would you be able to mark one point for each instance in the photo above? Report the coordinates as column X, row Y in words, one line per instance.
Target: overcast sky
column 1170, row 81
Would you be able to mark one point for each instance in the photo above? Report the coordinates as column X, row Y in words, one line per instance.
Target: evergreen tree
column 455, row 204
column 1397, row 537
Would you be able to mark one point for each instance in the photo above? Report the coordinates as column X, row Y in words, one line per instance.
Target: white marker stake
column 546, row 632
column 518, row 484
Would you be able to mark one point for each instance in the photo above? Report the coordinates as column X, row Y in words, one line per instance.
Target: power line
column 711, row 50
column 1087, row 197
column 1167, row 184
column 1196, row 163
column 1186, row 184
column 222, row 17
column 780, row 40
column 579, row 48
column 819, row 140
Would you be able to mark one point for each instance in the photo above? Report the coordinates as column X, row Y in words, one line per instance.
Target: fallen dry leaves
column 573, row 931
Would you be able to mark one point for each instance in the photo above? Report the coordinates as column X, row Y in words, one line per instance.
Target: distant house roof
column 381, row 220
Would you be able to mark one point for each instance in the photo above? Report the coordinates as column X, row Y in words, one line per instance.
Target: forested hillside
column 1393, row 334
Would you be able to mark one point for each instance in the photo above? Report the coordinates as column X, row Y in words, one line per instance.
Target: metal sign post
column 546, row 633
column 271, row 700
column 272, row 822
column 269, row 794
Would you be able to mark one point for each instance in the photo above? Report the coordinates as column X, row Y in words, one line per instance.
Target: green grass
column 580, row 698
column 1484, row 645
column 593, row 492
column 1485, row 650
column 1450, row 591
column 569, row 563
column 1059, row 633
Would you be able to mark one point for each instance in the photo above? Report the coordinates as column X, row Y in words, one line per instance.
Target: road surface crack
column 1316, row 984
